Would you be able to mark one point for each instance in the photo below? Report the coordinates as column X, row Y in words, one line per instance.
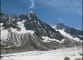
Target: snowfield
column 58, row 54
column 47, row 39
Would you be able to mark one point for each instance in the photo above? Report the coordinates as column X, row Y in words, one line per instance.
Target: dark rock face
column 40, row 28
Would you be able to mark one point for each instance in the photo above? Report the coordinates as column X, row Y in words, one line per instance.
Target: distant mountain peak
column 69, row 30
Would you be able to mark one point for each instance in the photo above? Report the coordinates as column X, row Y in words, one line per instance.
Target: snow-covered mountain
column 28, row 32
column 69, row 30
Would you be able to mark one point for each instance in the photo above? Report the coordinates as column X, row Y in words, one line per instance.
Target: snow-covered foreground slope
column 58, row 54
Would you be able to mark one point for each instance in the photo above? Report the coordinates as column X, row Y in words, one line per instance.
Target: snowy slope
column 65, row 33
column 58, row 54
column 48, row 39
column 69, row 36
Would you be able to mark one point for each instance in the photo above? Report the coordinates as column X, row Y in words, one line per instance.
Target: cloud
column 32, row 4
